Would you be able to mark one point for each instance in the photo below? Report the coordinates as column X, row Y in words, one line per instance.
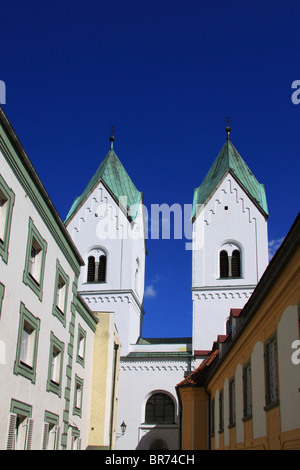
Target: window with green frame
column 81, row 341
column 33, row 275
column 7, row 199
column 55, row 367
column 60, row 294
column 51, row 432
column 78, row 392
column 20, row 424
column 27, row 344
column 76, row 440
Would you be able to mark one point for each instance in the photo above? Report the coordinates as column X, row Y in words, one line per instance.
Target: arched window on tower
column 91, row 269
column 224, row 264
column 230, row 261
column 159, row 409
column 96, row 268
column 236, row 264
column 102, row 269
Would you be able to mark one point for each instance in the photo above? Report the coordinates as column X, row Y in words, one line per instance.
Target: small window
column 235, row 264
column 221, row 411
column 91, row 269
column 96, row 269
column 81, row 345
column 77, row 409
column 224, row 264
column 51, row 432
column 247, row 391
column 7, row 199
column 76, row 440
column 20, row 425
column 33, row 275
column 230, row 262
column 212, row 417
column 271, row 373
column 60, row 294
column 231, row 403
column 54, row 382
column 102, row 269
column 159, row 409
column 35, row 260
column 27, row 343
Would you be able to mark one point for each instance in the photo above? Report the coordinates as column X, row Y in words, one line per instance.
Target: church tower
column 107, row 225
column 230, row 243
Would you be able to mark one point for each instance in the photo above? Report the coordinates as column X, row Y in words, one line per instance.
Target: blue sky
column 165, row 74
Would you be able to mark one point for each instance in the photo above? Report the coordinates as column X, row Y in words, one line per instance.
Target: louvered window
column 230, row 263
column 91, row 269
column 50, row 436
column 19, row 432
column 235, row 264
column 102, row 269
column 224, row 264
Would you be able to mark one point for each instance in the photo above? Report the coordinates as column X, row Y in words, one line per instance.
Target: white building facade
column 230, row 244
column 230, row 253
column 46, row 330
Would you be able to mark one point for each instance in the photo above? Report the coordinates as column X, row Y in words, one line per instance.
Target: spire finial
column 112, row 129
column 228, row 128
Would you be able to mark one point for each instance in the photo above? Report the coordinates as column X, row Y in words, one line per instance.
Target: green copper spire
column 115, row 177
column 230, row 160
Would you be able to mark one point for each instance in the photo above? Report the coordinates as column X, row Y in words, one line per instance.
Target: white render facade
column 46, row 330
column 228, row 221
column 101, row 225
column 57, row 278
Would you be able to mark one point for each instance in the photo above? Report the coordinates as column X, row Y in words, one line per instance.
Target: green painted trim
column 2, row 289
column 19, row 407
column 20, row 368
column 57, row 312
column 10, row 196
column 18, row 160
column 35, row 284
column 81, row 336
column 55, row 387
column 51, row 418
column 77, row 411
column 85, row 313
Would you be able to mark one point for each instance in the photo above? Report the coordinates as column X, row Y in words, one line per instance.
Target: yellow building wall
column 284, row 295
column 104, row 384
column 194, row 418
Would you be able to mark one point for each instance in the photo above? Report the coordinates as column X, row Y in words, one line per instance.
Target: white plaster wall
column 140, row 378
column 243, row 225
column 99, row 223
column 11, row 275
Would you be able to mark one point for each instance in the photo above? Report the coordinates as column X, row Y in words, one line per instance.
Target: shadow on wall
column 158, row 438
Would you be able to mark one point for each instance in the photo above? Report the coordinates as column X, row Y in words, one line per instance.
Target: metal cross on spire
column 112, row 129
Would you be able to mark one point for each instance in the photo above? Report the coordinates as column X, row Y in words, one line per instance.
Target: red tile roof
column 197, row 376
